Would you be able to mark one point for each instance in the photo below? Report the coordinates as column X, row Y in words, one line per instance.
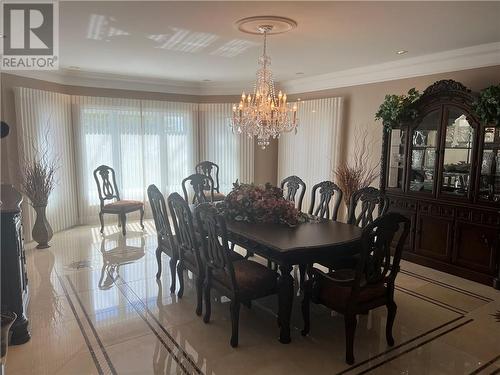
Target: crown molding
column 122, row 82
column 447, row 61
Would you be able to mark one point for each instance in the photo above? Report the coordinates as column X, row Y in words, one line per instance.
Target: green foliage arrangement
column 397, row 108
column 487, row 106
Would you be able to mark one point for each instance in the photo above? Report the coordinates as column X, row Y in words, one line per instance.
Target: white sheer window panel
column 312, row 154
column 145, row 142
column 234, row 154
column 44, row 123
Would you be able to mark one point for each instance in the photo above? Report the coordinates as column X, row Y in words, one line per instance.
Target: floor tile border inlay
column 400, row 345
column 485, row 365
column 143, row 311
column 447, row 286
column 434, row 301
column 415, row 347
column 86, row 338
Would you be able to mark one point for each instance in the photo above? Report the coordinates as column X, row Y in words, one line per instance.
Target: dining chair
column 200, row 183
column 108, row 190
column 290, row 186
column 166, row 240
column 370, row 199
column 211, row 169
column 371, row 285
column 187, row 245
column 325, row 190
column 240, row 280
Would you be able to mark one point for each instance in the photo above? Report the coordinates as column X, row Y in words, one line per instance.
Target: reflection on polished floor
column 96, row 308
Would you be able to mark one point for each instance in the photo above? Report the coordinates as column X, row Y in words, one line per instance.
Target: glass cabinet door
column 397, row 152
column 457, row 154
column 489, row 180
column 424, row 142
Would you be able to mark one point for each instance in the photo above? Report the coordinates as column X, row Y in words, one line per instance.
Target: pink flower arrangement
column 260, row 204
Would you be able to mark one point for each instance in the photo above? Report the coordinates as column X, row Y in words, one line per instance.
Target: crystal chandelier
column 263, row 115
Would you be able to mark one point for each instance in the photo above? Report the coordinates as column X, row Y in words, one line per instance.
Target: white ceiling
column 195, row 41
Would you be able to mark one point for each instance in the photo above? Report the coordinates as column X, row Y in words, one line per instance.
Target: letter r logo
column 29, row 29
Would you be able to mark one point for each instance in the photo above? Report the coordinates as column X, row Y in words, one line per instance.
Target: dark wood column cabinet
column 14, row 276
column 442, row 171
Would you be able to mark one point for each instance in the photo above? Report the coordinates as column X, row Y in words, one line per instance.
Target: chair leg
column 101, row 219
column 199, row 295
column 302, row 272
column 391, row 315
column 306, row 308
column 142, row 217
column 173, row 263
column 206, row 295
column 158, row 261
column 235, row 319
column 350, row 329
column 123, row 218
column 180, row 269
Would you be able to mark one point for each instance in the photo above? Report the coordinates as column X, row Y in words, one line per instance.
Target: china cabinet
column 442, row 170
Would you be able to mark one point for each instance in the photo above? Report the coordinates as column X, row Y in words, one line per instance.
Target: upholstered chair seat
column 123, row 206
column 336, row 296
column 252, row 278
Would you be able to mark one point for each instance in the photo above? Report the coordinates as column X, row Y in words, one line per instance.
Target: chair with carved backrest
column 200, row 183
column 327, row 190
column 370, row 199
column 108, row 190
column 291, row 186
column 187, row 245
column 166, row 240
column 241, row 280
column 211, row 169
column 371, row 285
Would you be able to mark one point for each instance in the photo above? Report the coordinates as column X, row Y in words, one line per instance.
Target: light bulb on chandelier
column 263, row 114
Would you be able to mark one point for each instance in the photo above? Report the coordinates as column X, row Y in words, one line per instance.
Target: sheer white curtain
column 170, row 143
column 233, row 153
column 312, row 154
column 44, row 124
column 143, row 141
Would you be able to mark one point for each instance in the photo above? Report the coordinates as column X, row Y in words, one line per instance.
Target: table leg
column 285, row 302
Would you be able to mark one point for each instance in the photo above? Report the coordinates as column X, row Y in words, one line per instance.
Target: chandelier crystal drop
column 263, row 114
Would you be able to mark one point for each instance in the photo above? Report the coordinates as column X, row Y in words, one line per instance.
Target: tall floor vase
column 42, row 231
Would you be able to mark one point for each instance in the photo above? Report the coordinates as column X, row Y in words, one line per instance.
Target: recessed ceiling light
column 207, row 80
column 74, row 67
column 299, row 73
column 402, row 52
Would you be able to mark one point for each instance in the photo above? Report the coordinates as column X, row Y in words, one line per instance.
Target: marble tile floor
column 97, row 308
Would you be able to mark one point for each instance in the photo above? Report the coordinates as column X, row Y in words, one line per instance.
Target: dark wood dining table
column 306, row 243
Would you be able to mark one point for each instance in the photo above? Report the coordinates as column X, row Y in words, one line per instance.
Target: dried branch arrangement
column 359, row 171
column 38, row 176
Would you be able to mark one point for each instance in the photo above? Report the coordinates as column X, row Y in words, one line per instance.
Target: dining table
column 311, row 242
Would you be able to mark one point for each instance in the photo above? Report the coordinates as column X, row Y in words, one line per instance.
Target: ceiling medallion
column 263, row 114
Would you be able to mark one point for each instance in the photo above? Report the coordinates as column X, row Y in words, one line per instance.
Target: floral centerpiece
column 260, row 204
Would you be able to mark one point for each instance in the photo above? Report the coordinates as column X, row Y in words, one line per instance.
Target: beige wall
column 361, row 103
